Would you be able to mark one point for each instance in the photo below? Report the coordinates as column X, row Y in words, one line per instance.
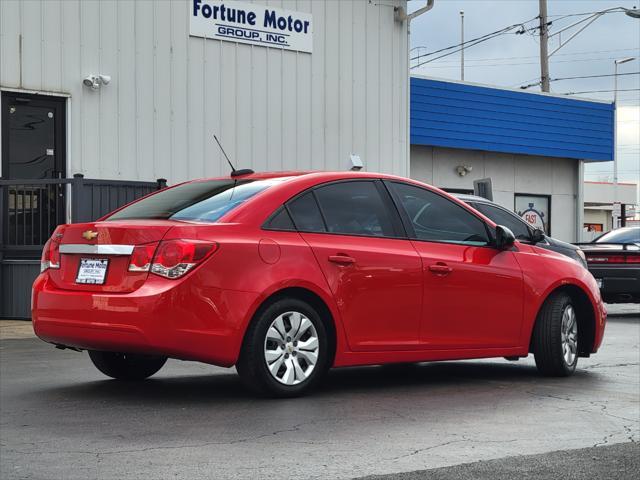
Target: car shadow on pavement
column 401, row 378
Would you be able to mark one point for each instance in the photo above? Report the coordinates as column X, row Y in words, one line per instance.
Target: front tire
column 126, row 366
column 555, row 338
column 285, row 351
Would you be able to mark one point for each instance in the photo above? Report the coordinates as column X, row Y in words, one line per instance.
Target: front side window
column 204, row 201
column 435, row 218
column 355, row 208
column 506, row 219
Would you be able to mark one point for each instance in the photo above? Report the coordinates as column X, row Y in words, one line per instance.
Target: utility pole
column 462, row 45
column 544, row 51
column 615, row 142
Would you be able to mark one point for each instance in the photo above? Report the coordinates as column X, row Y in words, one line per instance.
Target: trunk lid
column 111, row 241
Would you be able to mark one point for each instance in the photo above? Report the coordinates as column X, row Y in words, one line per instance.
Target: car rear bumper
column 172, row 318
column 620, row 284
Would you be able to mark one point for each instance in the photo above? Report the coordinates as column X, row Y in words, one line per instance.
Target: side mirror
column 537, row 236
column 504, row 238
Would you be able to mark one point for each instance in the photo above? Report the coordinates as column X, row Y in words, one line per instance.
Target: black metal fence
column 30, row 210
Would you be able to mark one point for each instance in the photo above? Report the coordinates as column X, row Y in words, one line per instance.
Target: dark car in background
column 614, row 261
column 521, row 229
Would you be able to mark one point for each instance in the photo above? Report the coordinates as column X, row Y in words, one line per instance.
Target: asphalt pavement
column 60, row 418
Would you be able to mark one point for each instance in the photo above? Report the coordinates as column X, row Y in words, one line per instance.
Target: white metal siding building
column 273, row 109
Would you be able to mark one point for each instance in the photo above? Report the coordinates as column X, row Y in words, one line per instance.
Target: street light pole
column 544, row 47
column 617, row 62
column 462, row 45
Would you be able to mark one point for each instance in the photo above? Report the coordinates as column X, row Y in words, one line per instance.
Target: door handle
column 342, row 259
column 440, row 268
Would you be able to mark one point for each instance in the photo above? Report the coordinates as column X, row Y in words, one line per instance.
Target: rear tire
column 126, row 366
column 285, row 351
column 555, row 337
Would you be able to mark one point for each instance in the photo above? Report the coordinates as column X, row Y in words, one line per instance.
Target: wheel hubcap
column 291, row 348
column 569, row 333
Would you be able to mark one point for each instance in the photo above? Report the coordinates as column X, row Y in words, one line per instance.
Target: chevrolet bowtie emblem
column 89, row 235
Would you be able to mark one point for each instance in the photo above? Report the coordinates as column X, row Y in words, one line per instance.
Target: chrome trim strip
column 96, row 249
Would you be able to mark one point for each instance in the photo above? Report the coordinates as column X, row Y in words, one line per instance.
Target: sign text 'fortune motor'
column 252, row 24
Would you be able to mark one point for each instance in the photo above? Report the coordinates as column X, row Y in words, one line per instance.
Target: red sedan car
column 287, row 274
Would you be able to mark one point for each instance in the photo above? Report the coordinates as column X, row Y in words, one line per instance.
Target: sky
column 513, row 60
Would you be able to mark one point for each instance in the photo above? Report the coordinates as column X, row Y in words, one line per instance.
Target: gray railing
column 31, row 209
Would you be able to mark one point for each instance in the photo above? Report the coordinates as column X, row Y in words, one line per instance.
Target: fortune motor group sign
column 252, row 24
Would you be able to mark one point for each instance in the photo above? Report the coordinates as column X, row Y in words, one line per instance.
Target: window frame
column 400, row 232
column 408, row 226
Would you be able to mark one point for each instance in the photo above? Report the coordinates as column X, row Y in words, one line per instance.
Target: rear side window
column 355, row 208
column 306, row 214
column 203, row 201
column 435, row 218
column 506, row 219
column 280, row 221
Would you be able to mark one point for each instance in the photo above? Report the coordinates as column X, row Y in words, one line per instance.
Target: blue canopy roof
column 460, row 115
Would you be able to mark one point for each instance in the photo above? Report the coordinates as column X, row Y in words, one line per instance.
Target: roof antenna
column 234, row 172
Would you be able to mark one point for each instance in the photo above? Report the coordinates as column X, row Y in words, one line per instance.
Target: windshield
column 622, row 235
column 204, row 201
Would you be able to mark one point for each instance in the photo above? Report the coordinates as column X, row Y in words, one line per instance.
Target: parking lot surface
column 59, row 418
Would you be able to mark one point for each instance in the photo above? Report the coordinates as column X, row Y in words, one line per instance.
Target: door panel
column 473, row 293
column 32, row 136
column 475, row 302
column 33, row 148
column 377, row 284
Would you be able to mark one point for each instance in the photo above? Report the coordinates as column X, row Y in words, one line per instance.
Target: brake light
column 604, row 259
column 141, row 257
column 50, row 258
column 174, row 258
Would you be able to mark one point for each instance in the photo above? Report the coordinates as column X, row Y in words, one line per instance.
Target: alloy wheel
column 569, row 334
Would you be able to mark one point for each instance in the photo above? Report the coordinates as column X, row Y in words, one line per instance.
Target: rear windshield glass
column 204, row 201
column 623, row 235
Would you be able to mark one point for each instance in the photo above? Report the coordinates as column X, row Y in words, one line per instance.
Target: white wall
column 509, row 174
column 272, row 109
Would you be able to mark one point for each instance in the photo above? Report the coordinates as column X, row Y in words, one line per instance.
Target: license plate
column 92, row 271
column 599, row 282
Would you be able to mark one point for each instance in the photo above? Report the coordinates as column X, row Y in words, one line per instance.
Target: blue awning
column 459, row 115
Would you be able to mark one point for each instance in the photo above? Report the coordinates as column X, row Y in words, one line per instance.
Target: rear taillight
column 608, row 259
column 174, row 258
column 142, row 256
column 50, row 258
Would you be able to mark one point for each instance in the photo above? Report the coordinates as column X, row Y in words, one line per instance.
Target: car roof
column 317, row 174
column 465, row 197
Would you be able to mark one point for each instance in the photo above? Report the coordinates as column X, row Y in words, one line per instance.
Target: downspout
column 401, row 15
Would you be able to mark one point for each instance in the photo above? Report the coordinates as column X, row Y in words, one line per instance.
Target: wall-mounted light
column 95, row 81
column 463, row 169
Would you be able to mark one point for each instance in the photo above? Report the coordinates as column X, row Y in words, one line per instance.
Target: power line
column 469, row 43
column 524, row 87
column 556, row 55
column 561, row 17
column 602, row 91
column 595, row 76
column 453, row 65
